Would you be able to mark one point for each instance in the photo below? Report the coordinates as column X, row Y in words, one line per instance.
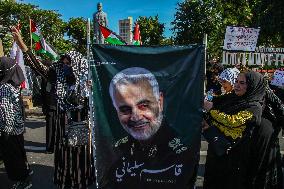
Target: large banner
column 147, row 104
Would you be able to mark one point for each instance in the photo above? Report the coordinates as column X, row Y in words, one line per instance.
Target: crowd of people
column 242, row 127
column 64, row 89
column 241, row 123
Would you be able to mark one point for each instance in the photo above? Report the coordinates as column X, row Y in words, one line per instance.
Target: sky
column 115, row 9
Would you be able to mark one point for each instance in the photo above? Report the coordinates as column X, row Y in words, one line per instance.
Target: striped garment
column 11, row 115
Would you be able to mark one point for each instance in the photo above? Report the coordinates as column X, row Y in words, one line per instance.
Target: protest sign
column 278, row 78
column 240, row 38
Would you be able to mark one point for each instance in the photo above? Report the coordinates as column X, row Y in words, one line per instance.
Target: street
column 42, row 163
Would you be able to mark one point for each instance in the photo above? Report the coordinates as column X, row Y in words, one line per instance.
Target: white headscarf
column 230, row 75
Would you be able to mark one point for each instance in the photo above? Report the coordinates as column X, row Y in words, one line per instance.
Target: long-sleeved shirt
column 11, row 114
column 48, row 74
column 35, row 64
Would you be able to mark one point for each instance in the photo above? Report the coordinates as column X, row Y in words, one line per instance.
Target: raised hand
column 18, row 38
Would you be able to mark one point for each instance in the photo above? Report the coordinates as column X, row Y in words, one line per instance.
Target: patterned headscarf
column 80, row 68
column 230, row 75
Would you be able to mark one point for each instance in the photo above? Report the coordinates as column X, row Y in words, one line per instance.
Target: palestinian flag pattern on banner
column 40, row 44
column 111, row 37
column 147, row 104
column 137, row 36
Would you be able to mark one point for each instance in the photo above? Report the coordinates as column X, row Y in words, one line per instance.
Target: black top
column 165, row 163
column 273, row 109
column 10, row 72
column 36, row 65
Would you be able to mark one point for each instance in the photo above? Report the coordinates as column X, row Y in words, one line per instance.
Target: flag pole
column 88, row 38
column 88, row 60
column 205, row 59
column 1, row 49
column 31, row 45
column 91, row 106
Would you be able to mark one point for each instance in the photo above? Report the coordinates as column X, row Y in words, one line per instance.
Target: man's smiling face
column 139, row 111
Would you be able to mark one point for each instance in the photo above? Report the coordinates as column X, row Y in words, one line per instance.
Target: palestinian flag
column 40, row 44
column 17, row 54
column 111, row 37
column 137, row 36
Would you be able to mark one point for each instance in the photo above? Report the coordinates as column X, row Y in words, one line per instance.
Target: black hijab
column 10, row 72
column 253, row 97
column 273, row 108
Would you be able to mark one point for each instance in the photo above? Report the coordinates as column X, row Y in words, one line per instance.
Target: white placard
column 278, row 78
column 240, row 38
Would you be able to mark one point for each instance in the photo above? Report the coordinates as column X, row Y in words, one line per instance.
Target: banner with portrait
column 147, row 105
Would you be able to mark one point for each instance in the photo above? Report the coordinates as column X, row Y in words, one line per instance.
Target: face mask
column 67, row 70
column 68, row 74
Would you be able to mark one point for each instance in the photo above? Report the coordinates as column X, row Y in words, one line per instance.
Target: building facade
column 125, row 29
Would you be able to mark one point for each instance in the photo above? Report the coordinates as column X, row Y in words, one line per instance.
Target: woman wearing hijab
column 227, row 79
column 228, row 126
column 266, row 170
column 73, row 165
column 12, row 124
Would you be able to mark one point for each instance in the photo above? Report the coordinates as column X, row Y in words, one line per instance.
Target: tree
column 167, row 41
column 50, row 23
column 268, row 15
column 76, row 30
column 151, row 30
column 194, row 18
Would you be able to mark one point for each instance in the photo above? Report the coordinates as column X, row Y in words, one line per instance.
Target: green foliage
column 269, row 16
column 77, row 30
column 194, row 18
column 151, row 30
column 167, row 41
column 52, row 27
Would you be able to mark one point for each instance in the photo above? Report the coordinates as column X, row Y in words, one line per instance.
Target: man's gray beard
column 148, row 133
